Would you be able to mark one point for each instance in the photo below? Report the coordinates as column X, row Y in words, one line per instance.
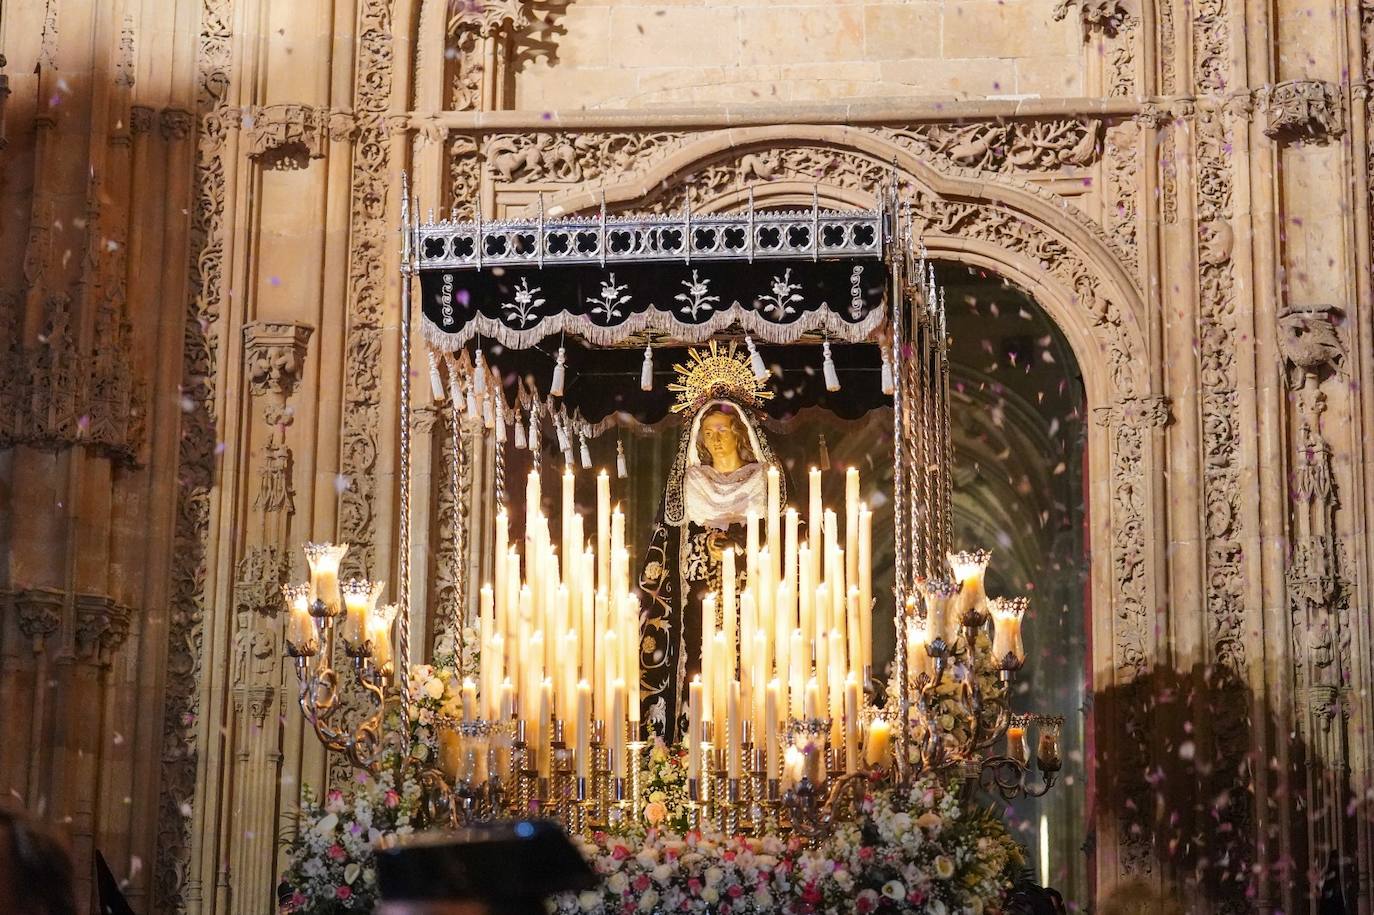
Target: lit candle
column 532, row 498
column 794, row 764
column 851, row 723
column 968, row 568
column 789, row 550
column 876, row 749
column 774, row 508
column 770, row 729
column 695, row 706
column 603, row 531
column 583, row 751
column 814, row 522
column 851, row 524
column 379, row 634
column 1016, row 744
column 734, row 732
column 759, row 675
column 566, row 540
column 783, row 624
column 1047, row 748
column 300, row 627
column 360, row 596
column 324, row 559
column 587, row 635
column 835, row 688
column 600, row 678
column 469, row 693
column 619, row 578
column 747, row 627
column 1007, row 613
column 811, row 707
column 507, row 707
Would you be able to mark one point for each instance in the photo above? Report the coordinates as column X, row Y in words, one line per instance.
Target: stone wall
column 200, row 339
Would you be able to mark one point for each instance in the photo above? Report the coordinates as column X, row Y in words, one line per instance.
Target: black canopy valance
column 777, row 276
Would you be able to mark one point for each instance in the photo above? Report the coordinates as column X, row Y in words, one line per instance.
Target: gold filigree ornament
column 719, row 372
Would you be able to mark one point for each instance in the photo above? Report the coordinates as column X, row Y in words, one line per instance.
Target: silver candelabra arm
column 1010, row 778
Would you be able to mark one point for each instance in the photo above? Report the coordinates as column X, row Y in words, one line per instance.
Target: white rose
column 589, row 900
column 710, row 894
column 714, row 875
column 647, row 859
column 618, row 882
column 434, row 688
column 663, row 873
column 648, row 900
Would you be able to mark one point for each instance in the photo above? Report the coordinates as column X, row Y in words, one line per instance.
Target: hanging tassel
column 479, row 373
column 825, row 454
column 564, row 444
column 755, row 360
column 621, row 470
column 888, row 386
column 474, row 412
column 455, row 393
column 586, row 453
column 520, row 441
column 559, row 372
column 500, row 419
column 832, row 380
column 646, row 373
column 436, row 381
column 488, row 412
column 534, row 427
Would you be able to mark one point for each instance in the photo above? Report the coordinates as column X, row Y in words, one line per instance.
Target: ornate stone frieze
column 1122, row 171
column 1011, row 146
column 274, row 352
column 558, row 157
column 124, row 64
column 196, row 466
column 258, row 580
column 464, row 176
column 38, row 612
column 1302, row 111
column 102, row 625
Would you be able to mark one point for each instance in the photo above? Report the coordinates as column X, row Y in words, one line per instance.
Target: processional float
column 784, row 726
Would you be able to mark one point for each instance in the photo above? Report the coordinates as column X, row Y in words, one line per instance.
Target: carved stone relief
column 102, row 625
column 1302, row 111
column 557, row 157
column 39, row 613
column 1104, row 16
column 285, row 136
column 1014, row 146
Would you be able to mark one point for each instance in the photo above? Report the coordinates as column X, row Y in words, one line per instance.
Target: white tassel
column 534, row 427
column 646, row 373
column 621, row 471
column 832, row 380
column 520, row 441
column 755, row 360
column 474, row 412
column 455, row 393
column 559, row 373
column 889, row 387
column 500, row 419
column 586, row 454
column 436, row 381
column 488, row 412
column 479, row 373
column 564, row 444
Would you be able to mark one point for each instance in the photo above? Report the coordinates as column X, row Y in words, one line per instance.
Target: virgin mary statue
column 717, row 480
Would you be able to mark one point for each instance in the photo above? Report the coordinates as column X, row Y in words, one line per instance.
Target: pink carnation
column 867, row 901
column 641, row 883
column 343, row 891
column 337, row 853
column 735, row 891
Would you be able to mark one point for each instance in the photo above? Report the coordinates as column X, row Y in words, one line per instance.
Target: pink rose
column 337, row 853
column 735, row 891
column 620, row 853
column 392, row 798
column 641, row 883
column 343, row 891
column 916, row 897
column 334, row 795
column 694, row 885
column 867, row 901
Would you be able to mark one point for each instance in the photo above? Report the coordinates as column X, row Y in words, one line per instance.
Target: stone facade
column 201, row 339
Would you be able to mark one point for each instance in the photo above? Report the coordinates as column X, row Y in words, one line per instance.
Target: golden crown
column 719, row 372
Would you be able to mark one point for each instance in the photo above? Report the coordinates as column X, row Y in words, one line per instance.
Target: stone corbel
column 1302, row 111
column 285, row 136
column 1097, row 16
column 1310, row 344
column 39, row 613
column 102, row 625
column 488, row 18
column 274, row 352
column 176, row 123
column 142, row 119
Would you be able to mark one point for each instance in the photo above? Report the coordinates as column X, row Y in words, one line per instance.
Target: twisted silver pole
column 403, row 564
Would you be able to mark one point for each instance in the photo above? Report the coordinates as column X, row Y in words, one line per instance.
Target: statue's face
column 721, row 440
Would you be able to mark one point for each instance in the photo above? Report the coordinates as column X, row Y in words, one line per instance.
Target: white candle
column 545, row 716
column 486, row 614
column 851, row 723
column 729, row 609
column 734, row 734
column 806, row 591
column 469, row 693
column 324, row 559
column 854, row 632
column 770, row 730
column 600, row 679
column 851, row 524
column 379, row 634
column 603, row 531
column 720, row 686
column 782, row 638
column 879, row 741
column 632, row 637
column 708, row 638
column 616, row 726
column 814, row 522
column 495, row 668
column 694, row 719
column 811, row 706
column 500, row 578
column 774, row 507
column 583, row 751
column 866, row 589
column 789, row 551
column 751, row 550
column 300, row 629
column 797, row 681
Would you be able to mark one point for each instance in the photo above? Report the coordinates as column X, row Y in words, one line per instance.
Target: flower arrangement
column 918, row 851
column 330, row 850
column 435, row 691
column 663, row 789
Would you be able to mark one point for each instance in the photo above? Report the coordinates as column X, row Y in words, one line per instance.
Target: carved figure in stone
column 1302, row 110
column 1310, row 342
column 533, row 156
column 1215, row 241
column 1105, row 16
column 274, row 479
column 761, row 165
